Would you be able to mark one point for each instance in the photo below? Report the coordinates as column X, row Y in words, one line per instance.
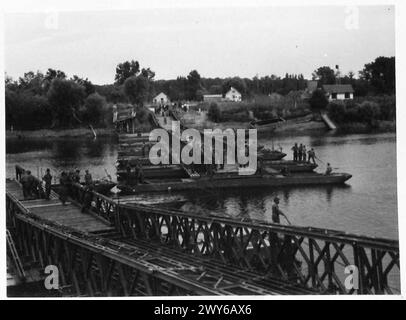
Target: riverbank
column 62, row 133
column 297, row 126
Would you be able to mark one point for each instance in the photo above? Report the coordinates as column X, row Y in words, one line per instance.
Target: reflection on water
column 366, row 205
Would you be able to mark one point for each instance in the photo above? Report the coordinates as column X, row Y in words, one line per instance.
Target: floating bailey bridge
column 133, row 249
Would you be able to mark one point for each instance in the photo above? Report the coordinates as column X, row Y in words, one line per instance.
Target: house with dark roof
column 338, row 91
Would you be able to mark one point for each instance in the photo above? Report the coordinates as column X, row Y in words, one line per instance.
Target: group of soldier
column 300, row 154
column 30, row 185
column 136, row 176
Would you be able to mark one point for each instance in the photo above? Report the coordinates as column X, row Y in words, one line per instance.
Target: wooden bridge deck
column 53, row 210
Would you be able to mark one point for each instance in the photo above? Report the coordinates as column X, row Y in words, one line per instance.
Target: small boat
column 156, row 172
column 267, row 125
column 103, row 186
column 291, row 166
column 268, row 154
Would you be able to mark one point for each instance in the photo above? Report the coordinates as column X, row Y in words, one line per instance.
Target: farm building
column 161, row 99
column 338, row 91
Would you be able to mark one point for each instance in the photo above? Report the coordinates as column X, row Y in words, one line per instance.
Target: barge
column 237, row 181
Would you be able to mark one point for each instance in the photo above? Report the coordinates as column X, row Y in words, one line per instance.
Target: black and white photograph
column 192, row 149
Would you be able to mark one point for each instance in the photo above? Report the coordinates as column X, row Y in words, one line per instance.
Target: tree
column 32, row 82
column 318, row 100
column 65, row 97
column 193, row 84
column 126, row 70
column 50, row 75
column 381, row 75
column 94, row 108
column 89, row 87
column 325, row 75
column 136, row 89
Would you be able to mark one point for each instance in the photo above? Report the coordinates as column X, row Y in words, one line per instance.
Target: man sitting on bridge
column 329, row 170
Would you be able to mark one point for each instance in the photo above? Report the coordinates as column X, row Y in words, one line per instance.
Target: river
column 367, row 204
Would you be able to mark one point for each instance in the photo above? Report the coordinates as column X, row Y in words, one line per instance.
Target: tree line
column 52, row 100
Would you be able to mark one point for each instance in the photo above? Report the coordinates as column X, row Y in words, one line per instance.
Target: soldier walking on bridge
column 48, row 180
column 88, row 178
column 64, row 181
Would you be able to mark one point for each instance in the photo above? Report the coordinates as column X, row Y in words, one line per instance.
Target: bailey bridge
column 132, row 249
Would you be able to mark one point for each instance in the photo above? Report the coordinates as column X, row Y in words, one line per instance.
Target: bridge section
column 94, row 260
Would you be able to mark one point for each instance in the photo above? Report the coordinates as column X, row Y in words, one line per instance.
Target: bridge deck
column 53, row 210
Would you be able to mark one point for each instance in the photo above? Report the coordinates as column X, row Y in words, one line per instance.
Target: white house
column 233, row 95
column 161, row 98
column 338, row 91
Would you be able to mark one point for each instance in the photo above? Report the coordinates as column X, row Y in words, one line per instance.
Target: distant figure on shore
column 295, row 150
column 304, row 153
column 64, row 181
column 276, row 212
column 311, row 155
column 88, row 178
column 48, row 180
column 329, row 170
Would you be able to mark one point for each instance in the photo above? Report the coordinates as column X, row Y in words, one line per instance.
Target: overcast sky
column 217, row 42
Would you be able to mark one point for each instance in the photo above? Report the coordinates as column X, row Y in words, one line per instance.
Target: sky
column 217, row 42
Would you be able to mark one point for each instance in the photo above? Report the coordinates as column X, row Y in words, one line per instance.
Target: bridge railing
column 328, row 260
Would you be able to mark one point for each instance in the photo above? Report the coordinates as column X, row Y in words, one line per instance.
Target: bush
column 214, row 112
column 337, row 111
column 318, row 100
column 368, row 110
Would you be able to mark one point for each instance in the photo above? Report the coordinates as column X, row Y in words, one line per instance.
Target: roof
column 212, row 96
column 233, row 89
column 161, row 93
column 338, row 88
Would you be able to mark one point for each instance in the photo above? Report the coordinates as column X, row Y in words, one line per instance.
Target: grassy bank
column 60, row 133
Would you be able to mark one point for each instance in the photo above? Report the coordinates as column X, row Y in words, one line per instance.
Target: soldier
column 30, row 184
column 311, row 154
column 300, row 153
column 48, row 180
column 276, row 212
column 140, row 173
column 64, row 181
column 304, row 154
column 24, row 184
column 295, row 150
column 88, row 178
column 76, row 176
column 87, row 198
column 329, row 170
